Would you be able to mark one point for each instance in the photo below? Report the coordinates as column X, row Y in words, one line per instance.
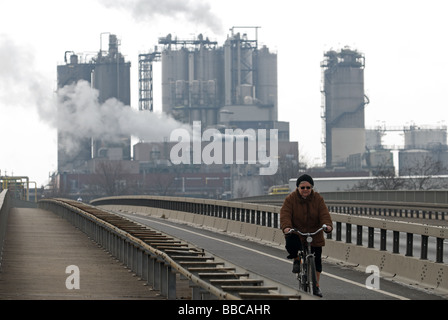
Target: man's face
column 305, row 188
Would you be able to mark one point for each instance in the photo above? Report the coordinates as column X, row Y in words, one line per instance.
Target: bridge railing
column 360, row 252
column 152, row 264
column 267, row 215
column 4, row 211
column 422, row 196
column 263, row 215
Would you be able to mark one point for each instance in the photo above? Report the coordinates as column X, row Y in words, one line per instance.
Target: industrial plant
column 350, row 148
column 229, row 86
column 223, row 87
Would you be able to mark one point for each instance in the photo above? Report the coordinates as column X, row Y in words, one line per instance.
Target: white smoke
column 75, row 109
column 80, row 114
column 194, row 11
column 20, row 83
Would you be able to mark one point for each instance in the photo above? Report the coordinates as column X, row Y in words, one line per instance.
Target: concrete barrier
column 422, row 274
column 409, row 270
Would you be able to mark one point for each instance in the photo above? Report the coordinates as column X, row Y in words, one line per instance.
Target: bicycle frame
column 307, row 275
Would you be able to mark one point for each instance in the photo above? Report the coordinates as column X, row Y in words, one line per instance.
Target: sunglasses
column 308, row 188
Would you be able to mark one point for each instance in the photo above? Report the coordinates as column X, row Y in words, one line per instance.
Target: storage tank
column 197, row 72
column 416, row 137
column 343, row 79
column 174, row 75
column 112, row 79
column 266, row 81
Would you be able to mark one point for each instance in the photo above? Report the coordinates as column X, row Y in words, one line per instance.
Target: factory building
column 108, row 73
column 111, row 77
column 233, row 86
column 343, row 107
column 228, row 86
column 425, row 151
column 68, row 74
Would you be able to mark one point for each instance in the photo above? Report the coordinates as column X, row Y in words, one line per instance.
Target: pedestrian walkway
column 38, row 248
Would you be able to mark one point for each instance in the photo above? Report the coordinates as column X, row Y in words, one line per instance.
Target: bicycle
column 307, row 272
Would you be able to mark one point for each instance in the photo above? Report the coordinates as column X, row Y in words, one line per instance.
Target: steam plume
column 80, row 114
column 75, row 109
column 196, row 11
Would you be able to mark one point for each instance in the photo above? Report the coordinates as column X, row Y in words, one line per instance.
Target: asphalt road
column 338, row 282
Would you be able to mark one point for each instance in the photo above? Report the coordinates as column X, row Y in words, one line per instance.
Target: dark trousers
column 294, row 244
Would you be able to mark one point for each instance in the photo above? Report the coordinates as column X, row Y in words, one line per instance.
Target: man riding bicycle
column 305, row 210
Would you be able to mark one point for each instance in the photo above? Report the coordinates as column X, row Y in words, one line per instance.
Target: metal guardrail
column 4, row 212
column 268, row 215
column 119, row 236
column 156, row 257
column 409, row 196
column 390, row 209
column 265, row 219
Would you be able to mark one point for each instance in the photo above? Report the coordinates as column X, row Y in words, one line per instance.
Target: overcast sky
column 404, row 43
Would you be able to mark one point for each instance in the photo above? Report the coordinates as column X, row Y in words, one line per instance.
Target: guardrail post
column 348, row 233
column 396, row 242
column 371, row 236
column 168, row 282
column 439, row 250
column 338, row 231
column 145, row 265
column 359, row 235
column 156, row 271
column 151, row 270
column 195, row 292
column 276, row 220
column 383, row 233
column 139, row 268
column 424, row 248
column 409, row 244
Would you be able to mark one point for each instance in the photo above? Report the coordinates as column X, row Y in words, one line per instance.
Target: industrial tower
column 343, row 108
column 233, row 85
column 108, row 73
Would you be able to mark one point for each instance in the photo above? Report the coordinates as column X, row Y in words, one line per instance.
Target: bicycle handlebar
column 307, row 234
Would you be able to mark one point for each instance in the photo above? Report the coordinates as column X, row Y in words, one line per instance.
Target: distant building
column 110, row 75
column 343, row 109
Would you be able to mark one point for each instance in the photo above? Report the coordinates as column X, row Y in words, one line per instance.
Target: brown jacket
column 307, row 215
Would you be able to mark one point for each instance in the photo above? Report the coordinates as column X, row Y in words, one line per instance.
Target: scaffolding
column 145, row 72
column 19, row 186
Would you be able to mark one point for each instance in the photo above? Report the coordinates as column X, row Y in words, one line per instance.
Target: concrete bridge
column 34, row 236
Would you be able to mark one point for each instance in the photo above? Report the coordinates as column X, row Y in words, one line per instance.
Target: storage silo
column 174, row 79
column 111, row 77
column 207, row 70
column 343, row 80
column 190, row 79
column 266, row 81
column 421, row 137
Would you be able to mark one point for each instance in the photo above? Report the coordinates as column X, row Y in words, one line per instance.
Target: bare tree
column 287, row 167
column 421, row 173
column 385, row 179
column 111, row 177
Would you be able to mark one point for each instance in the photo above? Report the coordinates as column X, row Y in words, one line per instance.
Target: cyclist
column 305, row 210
